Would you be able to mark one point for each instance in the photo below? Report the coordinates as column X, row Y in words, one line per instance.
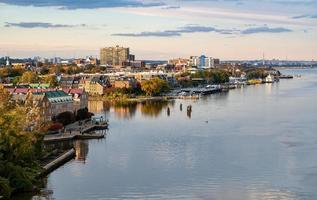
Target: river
column 256, row 142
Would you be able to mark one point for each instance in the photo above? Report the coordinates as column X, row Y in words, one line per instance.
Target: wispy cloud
column 305, row 16
column 170, row 7
column 83, row 4
column 40, row 25
column 265, row 29
column 177, row 32
column 295, row 2
column 204, row 29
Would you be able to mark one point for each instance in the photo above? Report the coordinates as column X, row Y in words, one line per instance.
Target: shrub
column 66, row 118
column 5, row 189
column 17, row 176
column 83, row 114
column 55, row 127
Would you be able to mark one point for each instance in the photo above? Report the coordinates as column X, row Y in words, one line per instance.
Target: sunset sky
column 226, row 29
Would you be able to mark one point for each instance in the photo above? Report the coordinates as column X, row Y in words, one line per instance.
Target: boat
column 286, row 77
column 269, row 79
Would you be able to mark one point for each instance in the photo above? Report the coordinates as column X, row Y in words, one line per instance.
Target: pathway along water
column 257, row 142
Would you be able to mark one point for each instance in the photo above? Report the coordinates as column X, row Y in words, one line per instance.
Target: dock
column 83, row 133
column 73, row 136
column 59, row 161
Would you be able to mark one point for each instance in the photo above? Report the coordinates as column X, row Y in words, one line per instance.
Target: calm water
column 258, row 142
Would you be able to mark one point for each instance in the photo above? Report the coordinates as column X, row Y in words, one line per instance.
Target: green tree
column 256, row 74
column 19, row 146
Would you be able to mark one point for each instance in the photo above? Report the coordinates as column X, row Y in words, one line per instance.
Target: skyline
column 226, row 29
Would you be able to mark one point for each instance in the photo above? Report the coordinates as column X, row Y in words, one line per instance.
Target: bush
column 55, row 127
column 83, row 114
column 66, row 118
column 17, row 176
column 5, row 189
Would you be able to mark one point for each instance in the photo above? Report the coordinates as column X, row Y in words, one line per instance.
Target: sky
column 161, row 29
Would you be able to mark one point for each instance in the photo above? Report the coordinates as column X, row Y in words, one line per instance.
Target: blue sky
column 227, row 29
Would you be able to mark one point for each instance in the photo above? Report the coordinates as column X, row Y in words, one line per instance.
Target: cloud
column 305, row 16
column 170, row 7
column 84, row 4
column 295, row 2
column 40, row 25
column 177, row 32
column 265, row 29
column 204, row 29
column 284, row 2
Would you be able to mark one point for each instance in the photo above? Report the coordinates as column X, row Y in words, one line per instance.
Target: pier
column 82, row 132
column 59, row 161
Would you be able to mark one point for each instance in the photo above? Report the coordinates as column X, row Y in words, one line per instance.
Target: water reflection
column 125, row 111
column 257, row 143
column 98, row 107
column 189, row 111
column 81, row 148
column 154, row 108
column 128, row 111
column 217, row 97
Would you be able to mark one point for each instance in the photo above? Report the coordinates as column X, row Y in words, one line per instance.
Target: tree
column 83, row 114
column 220, row 76
column 29, row 77
column 19, row 147
column 4, row 72
column 256, row 74
column 51, row 80
column 66, row 118
column 154, row 86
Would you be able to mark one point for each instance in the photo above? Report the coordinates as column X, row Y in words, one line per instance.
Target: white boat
column 269, row 79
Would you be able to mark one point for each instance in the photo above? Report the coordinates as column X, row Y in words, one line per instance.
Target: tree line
column 20, row 146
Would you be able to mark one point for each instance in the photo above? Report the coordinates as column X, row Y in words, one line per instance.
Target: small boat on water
column 286, row 77
column 269, row 79
column 209, row 89
column 196, row 92
column 187, row 94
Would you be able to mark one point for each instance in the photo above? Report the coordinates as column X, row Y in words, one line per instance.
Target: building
column 195, row 61
column 125, row 83
column 137, row 64
column 114, row 56
column 88, row 61
column 69, row 82
column 180, row 64
column 80, row 98
column 97, row 85
column 91, row 61
column 202, row 62
column 52, row 103
column 8, row 61
column 209, row 63
column 56, row 60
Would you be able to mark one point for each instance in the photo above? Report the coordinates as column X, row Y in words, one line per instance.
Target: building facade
column 53, row 103
column 114, row 56
column 97, row 85
column 80, row 98
column 202, row 62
